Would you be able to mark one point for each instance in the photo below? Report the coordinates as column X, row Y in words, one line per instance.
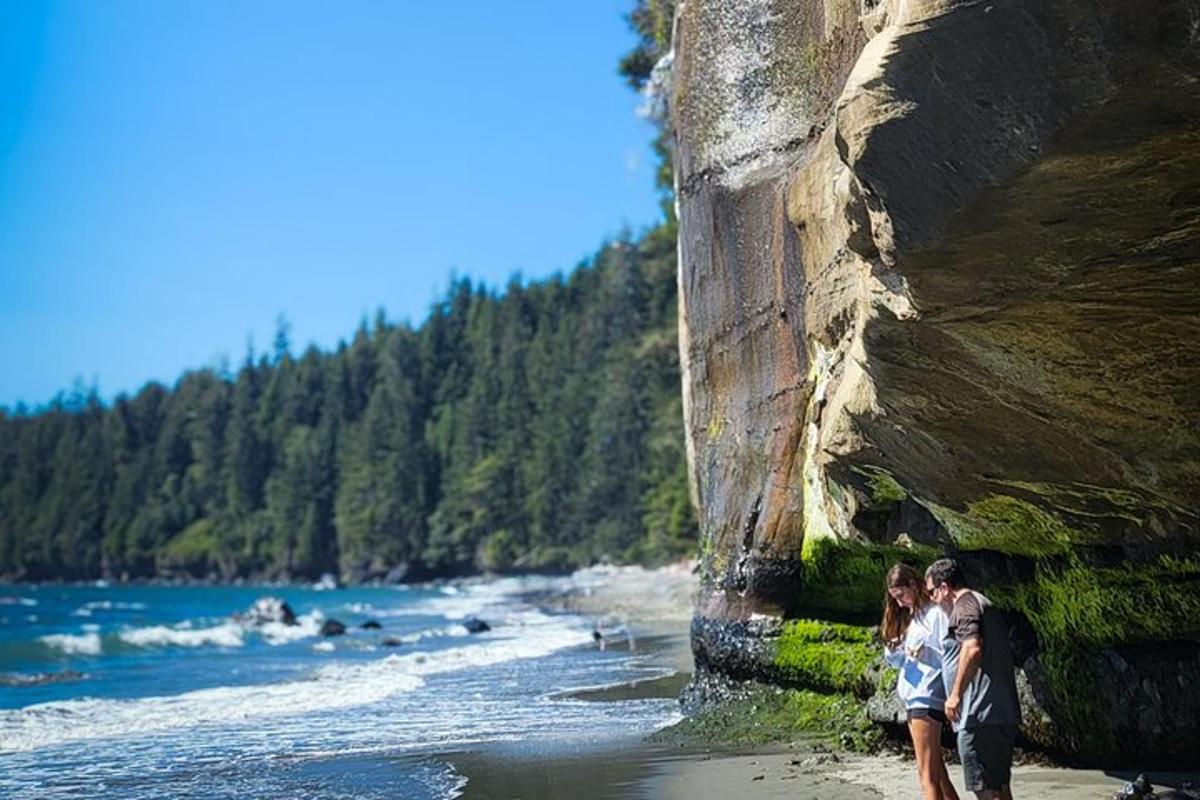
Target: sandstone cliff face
column 939, row 278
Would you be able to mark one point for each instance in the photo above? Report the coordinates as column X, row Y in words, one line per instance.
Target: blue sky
column 174, row 175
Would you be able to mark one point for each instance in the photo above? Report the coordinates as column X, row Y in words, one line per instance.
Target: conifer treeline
column 538, row 428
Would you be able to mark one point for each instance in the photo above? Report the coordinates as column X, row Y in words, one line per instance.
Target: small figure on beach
column 981, row 685
column 913, row 629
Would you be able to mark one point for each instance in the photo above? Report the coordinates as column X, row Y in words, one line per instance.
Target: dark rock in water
column 475, row 625
column 371, row 625
column 332, row 627
column 391, row 642
column 39, row 678
column 268, row 609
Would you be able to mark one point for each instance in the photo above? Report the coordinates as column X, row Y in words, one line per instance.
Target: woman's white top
column 920, row 684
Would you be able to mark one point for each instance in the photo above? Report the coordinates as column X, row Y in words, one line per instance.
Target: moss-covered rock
column 770, row 715
column 826, row 656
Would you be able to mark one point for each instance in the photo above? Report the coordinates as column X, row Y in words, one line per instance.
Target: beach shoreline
column 651, row 610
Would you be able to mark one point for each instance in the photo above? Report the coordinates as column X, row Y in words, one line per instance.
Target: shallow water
column 145, row 692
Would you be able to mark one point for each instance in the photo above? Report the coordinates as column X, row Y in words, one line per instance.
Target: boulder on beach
column 332, row 627
column 391, row 641
column 475, row 625
column 371, row 625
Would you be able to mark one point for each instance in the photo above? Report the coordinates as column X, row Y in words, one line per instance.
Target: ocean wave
column 433, row 633
column 332, row 686
column 84, row 644
column 227, row 635
column 73, row 720
column 39, row 678
column 13, row 600
column 113, row 605
column 277, row 633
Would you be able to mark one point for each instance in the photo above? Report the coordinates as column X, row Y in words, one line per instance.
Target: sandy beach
column 651, row 610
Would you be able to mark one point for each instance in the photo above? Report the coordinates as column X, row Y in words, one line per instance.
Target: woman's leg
column 947, row 788
column 927, row 735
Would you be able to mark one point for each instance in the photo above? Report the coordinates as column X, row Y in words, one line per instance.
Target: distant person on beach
column 913, row 629
column 981, row 686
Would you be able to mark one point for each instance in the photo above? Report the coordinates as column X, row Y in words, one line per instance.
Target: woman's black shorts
column 928, row 713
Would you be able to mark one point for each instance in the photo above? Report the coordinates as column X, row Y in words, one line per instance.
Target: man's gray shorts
column 986, row 752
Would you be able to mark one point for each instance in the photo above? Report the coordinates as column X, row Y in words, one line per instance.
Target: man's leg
column 986, row 753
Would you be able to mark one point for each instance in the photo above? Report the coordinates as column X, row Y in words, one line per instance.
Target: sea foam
column 83, row 644
column 227, row 635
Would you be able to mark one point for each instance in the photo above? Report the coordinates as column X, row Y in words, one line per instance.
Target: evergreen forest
column 537, row 428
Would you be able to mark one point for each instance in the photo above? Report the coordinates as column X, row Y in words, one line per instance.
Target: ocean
column 172, row 692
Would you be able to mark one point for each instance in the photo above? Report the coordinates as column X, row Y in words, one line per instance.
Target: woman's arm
column 893, row 654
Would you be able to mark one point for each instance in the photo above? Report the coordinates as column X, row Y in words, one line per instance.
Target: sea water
column 162, row 692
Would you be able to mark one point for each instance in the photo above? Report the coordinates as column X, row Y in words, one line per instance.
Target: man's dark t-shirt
column 990, row 697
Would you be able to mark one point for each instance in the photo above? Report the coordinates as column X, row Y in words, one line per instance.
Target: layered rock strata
column 939, row 290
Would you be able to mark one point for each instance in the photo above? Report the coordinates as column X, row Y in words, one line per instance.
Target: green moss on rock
column 1072, row 604
column 778, row 716
column 844, row 581
column 826, row 656
column 1007, row 525
column 885, row 489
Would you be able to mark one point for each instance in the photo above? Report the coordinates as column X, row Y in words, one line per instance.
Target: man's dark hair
column 947, row 571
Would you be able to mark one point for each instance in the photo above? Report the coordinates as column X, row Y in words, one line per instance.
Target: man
column 981, row 686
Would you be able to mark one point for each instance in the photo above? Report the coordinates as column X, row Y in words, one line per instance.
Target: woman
column 913, row 626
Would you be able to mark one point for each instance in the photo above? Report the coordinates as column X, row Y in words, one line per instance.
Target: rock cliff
column 939, row 285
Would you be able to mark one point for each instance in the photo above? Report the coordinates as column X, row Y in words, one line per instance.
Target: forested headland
column 534, row 428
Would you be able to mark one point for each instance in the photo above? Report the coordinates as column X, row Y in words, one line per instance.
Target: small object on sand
column 475, row 625
column 1138, row 789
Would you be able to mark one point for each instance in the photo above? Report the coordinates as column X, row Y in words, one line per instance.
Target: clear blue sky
column 174, row 175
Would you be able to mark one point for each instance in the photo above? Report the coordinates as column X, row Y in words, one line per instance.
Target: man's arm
column 970, row 655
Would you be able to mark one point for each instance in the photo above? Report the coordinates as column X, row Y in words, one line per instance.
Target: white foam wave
column 333, row 686
column 434, row 633
column 307, row 626
column 84, row 644
column 17, row 601
column 109, row 605
column 227, row 635
column 324, row 647
column 73, row 720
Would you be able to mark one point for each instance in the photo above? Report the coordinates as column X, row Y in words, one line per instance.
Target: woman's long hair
column 895, row 616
